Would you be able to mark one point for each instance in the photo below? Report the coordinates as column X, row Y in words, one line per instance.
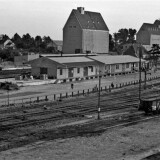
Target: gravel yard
column 50, row 89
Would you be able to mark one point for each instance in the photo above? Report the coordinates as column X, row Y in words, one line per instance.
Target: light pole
column 99, row 94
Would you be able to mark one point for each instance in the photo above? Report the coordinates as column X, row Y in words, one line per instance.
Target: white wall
column 91, row 73
column 64, row 73
column 155, row 39
column 75, row 74
column 96, row 41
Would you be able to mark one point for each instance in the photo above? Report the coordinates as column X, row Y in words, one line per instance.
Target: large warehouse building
column 149, row 34
column 85, row 32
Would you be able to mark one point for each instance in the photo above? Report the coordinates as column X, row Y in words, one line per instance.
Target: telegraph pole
column 99, row 94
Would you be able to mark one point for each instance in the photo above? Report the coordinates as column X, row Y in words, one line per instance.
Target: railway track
column 70, row 109
column 15, row 120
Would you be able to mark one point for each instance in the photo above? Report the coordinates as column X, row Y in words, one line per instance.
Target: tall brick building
column 85, row 32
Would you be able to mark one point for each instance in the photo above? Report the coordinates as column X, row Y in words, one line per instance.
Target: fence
column 59, row 97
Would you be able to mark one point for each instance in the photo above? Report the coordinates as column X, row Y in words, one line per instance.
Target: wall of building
column 80, row 74
column 91, row 73
column 143, row 37
column 44, row 63
column 155, row 39
column 95, row 41
column 72, row 36
column 19, row 60
column 64, row 73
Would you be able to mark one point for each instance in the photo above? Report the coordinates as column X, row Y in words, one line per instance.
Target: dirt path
column 51, row 89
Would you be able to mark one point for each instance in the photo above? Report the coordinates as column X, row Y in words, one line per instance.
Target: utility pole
column 99, row 94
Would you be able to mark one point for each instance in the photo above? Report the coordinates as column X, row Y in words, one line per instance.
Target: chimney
column 81, row 10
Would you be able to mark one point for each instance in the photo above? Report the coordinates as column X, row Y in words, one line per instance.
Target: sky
column 48, row 17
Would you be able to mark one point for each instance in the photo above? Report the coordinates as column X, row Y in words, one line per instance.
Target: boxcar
column 150, row 105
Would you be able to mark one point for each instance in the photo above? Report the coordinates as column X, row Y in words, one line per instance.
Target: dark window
column 78, row 70
column 91, row 67
column 43, row 70
column 127, row 65
column 60, row 71
column 78, row 50
column 117, row 66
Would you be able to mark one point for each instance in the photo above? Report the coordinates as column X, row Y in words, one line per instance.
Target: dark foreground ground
column 134, row 142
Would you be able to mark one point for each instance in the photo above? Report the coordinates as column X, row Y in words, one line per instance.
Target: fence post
column 37, row 99
column 72, row 94
column 78, row 93
column 46, row 98
column 66, row 95
column 83, row 92
column 88, row 91
column 54, row 96
column 22, row 102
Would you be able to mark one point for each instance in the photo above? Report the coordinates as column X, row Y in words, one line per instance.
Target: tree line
column 123, row 36
column 24, row 44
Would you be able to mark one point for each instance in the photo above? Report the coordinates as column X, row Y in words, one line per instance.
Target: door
column 123, row 67
column 85, row 71
column 70, row 72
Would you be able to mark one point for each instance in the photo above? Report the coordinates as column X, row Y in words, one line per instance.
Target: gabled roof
column 74, row 61
column 133, row 50
column 115, row 59
column 58, row 42
column 90, row 20
column 149, row 25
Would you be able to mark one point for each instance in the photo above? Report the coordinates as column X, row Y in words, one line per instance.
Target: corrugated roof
column 91, row 20
column 115, row 59
column 74, row 61
column 70, row 59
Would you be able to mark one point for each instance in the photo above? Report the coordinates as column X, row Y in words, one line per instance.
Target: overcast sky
column 47, row 17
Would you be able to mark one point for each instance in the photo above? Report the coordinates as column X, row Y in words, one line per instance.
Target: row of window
column 78, row 70
column 72, row 26
column 153, row 29
column 117, row 66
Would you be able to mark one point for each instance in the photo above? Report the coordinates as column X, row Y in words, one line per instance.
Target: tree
column 28, row 41
column 38, row 41
column 131, row 35
column 122, row 37
column 111, row 43
column 17, row 41
column 5, row 37
column 154, row 54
